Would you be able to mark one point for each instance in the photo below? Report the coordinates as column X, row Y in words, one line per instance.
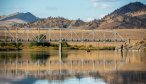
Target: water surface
column 75, row 67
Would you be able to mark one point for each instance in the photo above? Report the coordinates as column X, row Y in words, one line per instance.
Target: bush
column 10, row 46
column 34, row 43
column 53, row 45
column 65, row 44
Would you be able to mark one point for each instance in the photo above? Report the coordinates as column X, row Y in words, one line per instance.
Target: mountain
column 76, row 23
column 55, row 22
column 129, row 8
column 132, row 15
column 20, row 18
column 60, row 22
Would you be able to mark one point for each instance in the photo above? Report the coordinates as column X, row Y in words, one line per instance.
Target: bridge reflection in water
column 113, row 67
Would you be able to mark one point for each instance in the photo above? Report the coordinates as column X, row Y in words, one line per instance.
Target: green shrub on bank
column 10, row 46
column 65, row 44
column 54, row 45
column 35, row 43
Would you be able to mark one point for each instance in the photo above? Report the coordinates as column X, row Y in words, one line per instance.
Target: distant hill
column 56, row 22
column 129, row 8
column 20, row 18
column 60, row 22
column 132, row 15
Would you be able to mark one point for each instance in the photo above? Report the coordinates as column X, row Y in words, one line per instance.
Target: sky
column 71, row 9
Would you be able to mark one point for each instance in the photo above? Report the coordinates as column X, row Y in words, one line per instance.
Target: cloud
column 101, row 6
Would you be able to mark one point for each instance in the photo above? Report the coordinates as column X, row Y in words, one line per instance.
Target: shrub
column 65, row 44
column 35, row 43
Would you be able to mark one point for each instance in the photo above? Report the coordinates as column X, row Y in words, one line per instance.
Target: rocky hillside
column 129, row 16
column 60, row 22
column 55, row 22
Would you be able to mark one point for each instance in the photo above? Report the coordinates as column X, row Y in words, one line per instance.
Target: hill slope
column 129, row 16
column 20, row 18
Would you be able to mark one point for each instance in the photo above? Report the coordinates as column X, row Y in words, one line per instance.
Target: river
column 75, row 67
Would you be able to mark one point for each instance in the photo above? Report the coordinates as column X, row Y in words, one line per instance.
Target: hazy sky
column 71, row 9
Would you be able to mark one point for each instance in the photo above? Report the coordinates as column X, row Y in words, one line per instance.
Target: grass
column 42, row 48
column 72, row 48
column 8, row 48
column 53, row 46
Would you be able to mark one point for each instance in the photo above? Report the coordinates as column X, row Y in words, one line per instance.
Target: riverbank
column 69, row 48
column 139, row 45
column 9, row 48
column 51, row 46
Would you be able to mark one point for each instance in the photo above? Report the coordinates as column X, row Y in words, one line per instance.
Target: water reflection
column 10, row 56
column 95, row 67
column 132, row 77
column 64, row 56
column 40, row 56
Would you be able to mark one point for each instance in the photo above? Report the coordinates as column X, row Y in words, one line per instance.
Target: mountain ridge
column 26, row 17
column 132, row 15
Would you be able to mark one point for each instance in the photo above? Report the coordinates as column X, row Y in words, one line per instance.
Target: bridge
column 25, row 35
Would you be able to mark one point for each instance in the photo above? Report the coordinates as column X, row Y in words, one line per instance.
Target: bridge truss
column 26, row 35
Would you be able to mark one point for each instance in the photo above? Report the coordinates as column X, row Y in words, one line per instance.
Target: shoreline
column 44, row 48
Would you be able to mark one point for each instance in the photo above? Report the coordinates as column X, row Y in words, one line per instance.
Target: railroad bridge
column 25, row 35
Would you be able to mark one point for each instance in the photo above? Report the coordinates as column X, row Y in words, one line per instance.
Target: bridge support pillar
column 60, row 51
